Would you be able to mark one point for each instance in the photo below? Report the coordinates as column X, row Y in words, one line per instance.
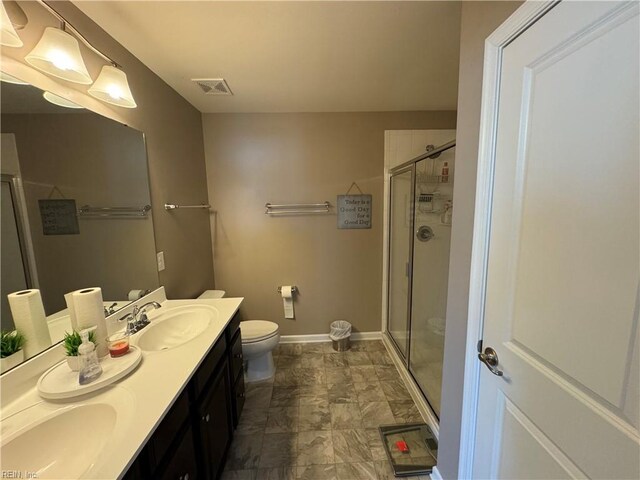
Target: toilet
column 259, row 338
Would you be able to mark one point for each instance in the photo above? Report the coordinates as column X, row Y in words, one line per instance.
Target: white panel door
column 562, row 285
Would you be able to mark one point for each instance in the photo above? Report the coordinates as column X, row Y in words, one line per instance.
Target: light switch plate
column 160, row 256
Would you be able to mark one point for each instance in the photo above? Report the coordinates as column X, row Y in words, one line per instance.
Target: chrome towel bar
column 173, row 206
column 296, row 208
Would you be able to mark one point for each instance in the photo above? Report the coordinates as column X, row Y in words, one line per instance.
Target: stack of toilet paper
column 30, row 320
column 86, row 309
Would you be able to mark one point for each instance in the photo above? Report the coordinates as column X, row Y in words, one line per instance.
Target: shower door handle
column 490, row 359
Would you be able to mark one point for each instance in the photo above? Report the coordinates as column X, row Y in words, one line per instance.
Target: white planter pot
column 74, row 363
column 11, row 361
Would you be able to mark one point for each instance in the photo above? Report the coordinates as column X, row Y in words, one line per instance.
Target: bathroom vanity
column 173, row 417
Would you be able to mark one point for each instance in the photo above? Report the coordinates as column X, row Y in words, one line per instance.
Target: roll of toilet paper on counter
column 68, row 298
column 89, row 310
column 287, row 300
column 29, row 318
column 136, row 295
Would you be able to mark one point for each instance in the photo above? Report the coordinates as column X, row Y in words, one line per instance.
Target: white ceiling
column 295, row 56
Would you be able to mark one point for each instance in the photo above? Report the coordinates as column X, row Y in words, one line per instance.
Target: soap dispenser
column 90, row 368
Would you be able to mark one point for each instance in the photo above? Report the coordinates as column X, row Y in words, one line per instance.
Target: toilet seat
column 253, row 331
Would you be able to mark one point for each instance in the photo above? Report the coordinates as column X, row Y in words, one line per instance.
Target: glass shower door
column 400, row 233
column 430, row 272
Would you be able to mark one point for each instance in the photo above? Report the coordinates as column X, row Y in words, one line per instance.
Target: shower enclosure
column 421, row 205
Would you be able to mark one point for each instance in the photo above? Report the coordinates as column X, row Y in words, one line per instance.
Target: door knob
column 490, row 359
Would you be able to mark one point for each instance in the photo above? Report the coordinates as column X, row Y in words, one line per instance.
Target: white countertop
column 144, row 396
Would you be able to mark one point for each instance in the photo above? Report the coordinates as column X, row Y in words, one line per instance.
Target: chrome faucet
column 137, row 319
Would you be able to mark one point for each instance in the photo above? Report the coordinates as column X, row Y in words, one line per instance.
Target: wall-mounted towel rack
column 173, row 206
column 88, row 211
column 297, row 208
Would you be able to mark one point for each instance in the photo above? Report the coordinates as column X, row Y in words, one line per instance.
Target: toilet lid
column 256, row 330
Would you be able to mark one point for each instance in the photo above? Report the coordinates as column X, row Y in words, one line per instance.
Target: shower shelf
column 426, row 179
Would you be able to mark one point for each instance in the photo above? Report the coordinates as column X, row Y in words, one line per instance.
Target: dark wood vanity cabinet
column 193, row 439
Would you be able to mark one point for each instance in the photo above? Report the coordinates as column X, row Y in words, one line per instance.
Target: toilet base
column 259, row 368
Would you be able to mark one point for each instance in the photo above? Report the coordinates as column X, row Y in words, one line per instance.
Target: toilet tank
column 211, row 294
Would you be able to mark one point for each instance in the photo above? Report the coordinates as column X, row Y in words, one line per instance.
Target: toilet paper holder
column 294, row 289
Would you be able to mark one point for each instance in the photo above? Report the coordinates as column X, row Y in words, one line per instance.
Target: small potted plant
column 71, row 343
column 11, row 352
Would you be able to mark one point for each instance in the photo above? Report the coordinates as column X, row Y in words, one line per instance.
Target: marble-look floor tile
column 289, row 361
column 244, row 453
column 315, row 448
column 333, row 360
column 342, row 393
column 282, row 420
column 314, row 417
column 387, row 372
column 285, row 396
column 405, row 412
column 252, row 421
column 345, row 415
column 239, row 475
column 278, row 449
column 312, row 360
column 375, row 346
column 356, row 471
column 395, row 391
column 351, row 446
column 258, row 397
column 316, row 472
column 375, row 414
column 290, row 349
column 363, row 374
column 314, row 347
column 277, row 473
column 299, row 376
column 338, row 375
column 380, row 358
column 358, row 346
column 375, row 444
column 370, row 392
column 314, row 395
column 358, row 358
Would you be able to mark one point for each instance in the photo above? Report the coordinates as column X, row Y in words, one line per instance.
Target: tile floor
column 318, row 418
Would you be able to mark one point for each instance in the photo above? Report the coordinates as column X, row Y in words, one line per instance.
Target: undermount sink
column 175, row 327
column 65, row 445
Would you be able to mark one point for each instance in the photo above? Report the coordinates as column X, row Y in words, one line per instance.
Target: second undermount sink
column 175, row 327
column 64, row 446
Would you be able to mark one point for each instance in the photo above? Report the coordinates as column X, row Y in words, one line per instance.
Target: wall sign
column 59, row 217
column 354, row 211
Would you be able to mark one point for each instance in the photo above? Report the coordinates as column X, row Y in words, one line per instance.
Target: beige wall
column 479, row 19
column 84, row 156
column 173, row 132
column 253, row 159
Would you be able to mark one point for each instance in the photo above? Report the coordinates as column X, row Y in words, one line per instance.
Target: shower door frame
column 402, row 168
column 399, row 170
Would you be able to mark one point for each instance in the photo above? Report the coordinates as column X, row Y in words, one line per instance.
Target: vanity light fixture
column 5, row 77
column 58, row 54
column 9, row 37
column 112, row 86
column 60, row 101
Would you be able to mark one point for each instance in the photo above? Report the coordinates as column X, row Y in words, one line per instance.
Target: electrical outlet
column 160, row 256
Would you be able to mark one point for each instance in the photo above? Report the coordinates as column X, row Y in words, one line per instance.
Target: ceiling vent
column 213, row 86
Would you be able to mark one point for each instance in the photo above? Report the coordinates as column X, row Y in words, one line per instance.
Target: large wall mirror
column 75, row 205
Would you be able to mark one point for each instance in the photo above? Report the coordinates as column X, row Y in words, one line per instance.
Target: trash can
column 339, row 335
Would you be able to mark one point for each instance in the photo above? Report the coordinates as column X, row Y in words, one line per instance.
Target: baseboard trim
column 324, row 337
column 435, row 474
column 423, row 407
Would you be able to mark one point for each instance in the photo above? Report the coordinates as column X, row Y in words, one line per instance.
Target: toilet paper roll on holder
column 294, row 289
